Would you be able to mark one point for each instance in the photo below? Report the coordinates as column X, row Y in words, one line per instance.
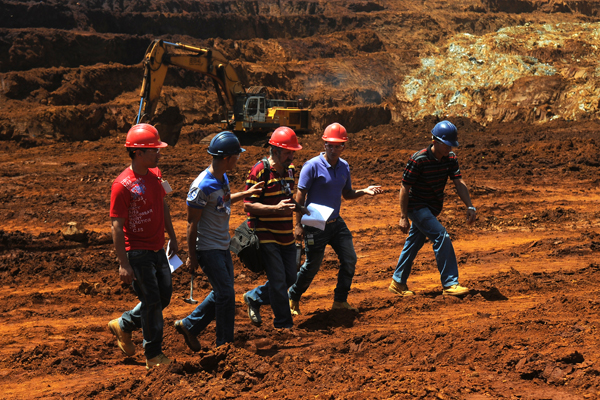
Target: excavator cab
column 255, row 109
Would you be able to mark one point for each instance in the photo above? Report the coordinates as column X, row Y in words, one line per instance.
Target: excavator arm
column 249, row 110
column 161, row 55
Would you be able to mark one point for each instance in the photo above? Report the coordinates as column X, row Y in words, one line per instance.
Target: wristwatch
column 472, row 208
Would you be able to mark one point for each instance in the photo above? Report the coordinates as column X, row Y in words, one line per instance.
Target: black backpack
column 245, row 243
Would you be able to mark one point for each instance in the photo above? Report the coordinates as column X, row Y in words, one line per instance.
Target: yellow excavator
column 249, row 110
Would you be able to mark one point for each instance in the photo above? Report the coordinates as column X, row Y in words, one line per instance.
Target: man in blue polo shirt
column 323, row 180
column 421, row 201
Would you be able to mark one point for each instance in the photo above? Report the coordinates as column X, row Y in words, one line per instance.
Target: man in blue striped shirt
column 421, row 201
column 208, row 203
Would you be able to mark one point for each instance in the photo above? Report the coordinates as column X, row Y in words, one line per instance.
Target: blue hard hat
column 446, row 133
column 225, row 144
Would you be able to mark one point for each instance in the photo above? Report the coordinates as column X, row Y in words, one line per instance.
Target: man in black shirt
column 421, row 201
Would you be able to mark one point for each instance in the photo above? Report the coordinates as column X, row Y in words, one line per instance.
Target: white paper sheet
column 174, row 262
column 318, row 216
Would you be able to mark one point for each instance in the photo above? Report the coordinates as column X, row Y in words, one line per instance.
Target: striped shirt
column 427, row 177
column 272, row 228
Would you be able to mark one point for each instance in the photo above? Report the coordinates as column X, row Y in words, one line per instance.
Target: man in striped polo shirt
column 421, row 201
column 271, row 214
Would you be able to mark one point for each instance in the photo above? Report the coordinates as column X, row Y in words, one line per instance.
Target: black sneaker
column 253, row 313
column 191, row 340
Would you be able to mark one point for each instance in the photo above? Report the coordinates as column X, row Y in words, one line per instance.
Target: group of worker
column 140, row 216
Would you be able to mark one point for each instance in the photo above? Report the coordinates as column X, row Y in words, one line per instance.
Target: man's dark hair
column 274, row 149
column 131, row 151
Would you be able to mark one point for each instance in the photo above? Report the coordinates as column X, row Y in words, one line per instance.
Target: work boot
column 400, row 289
column 295, row 307
column 456, row 290
column 191, row 340
column 123, row 338
column 253, row 312
column 338, row 305
column 160, row 359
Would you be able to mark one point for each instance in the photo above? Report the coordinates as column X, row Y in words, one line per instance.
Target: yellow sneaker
column 339, row 305
column 400, row 289
column 456, row 290
column 123, row 338
column 160, row 359
column 295, row 307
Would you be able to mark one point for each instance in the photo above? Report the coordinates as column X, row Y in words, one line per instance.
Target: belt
column 331, row 221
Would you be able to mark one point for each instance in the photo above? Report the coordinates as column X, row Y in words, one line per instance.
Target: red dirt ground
column 528, row 330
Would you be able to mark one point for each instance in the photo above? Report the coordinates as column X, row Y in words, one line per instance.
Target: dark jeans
column 153, row 287
column 220, row 302
column 280, row 266
column 339, row 237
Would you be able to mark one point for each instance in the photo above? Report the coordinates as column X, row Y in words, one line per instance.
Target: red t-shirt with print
column 139, row 199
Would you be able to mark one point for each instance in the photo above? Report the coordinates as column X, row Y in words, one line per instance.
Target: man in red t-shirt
column 139, row 216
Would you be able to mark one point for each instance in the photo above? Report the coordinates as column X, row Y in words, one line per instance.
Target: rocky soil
column 518, row 78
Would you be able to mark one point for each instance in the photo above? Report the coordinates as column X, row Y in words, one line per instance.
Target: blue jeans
column 280, row 266
column 338, row 236
column 153, row 287
column 425, row 224
column 220, row 302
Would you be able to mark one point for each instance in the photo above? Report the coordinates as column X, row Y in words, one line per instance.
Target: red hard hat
column 143, row 136
column 285, row 138
column 335, row 133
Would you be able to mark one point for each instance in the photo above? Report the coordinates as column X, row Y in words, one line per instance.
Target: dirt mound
column 518, row 78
